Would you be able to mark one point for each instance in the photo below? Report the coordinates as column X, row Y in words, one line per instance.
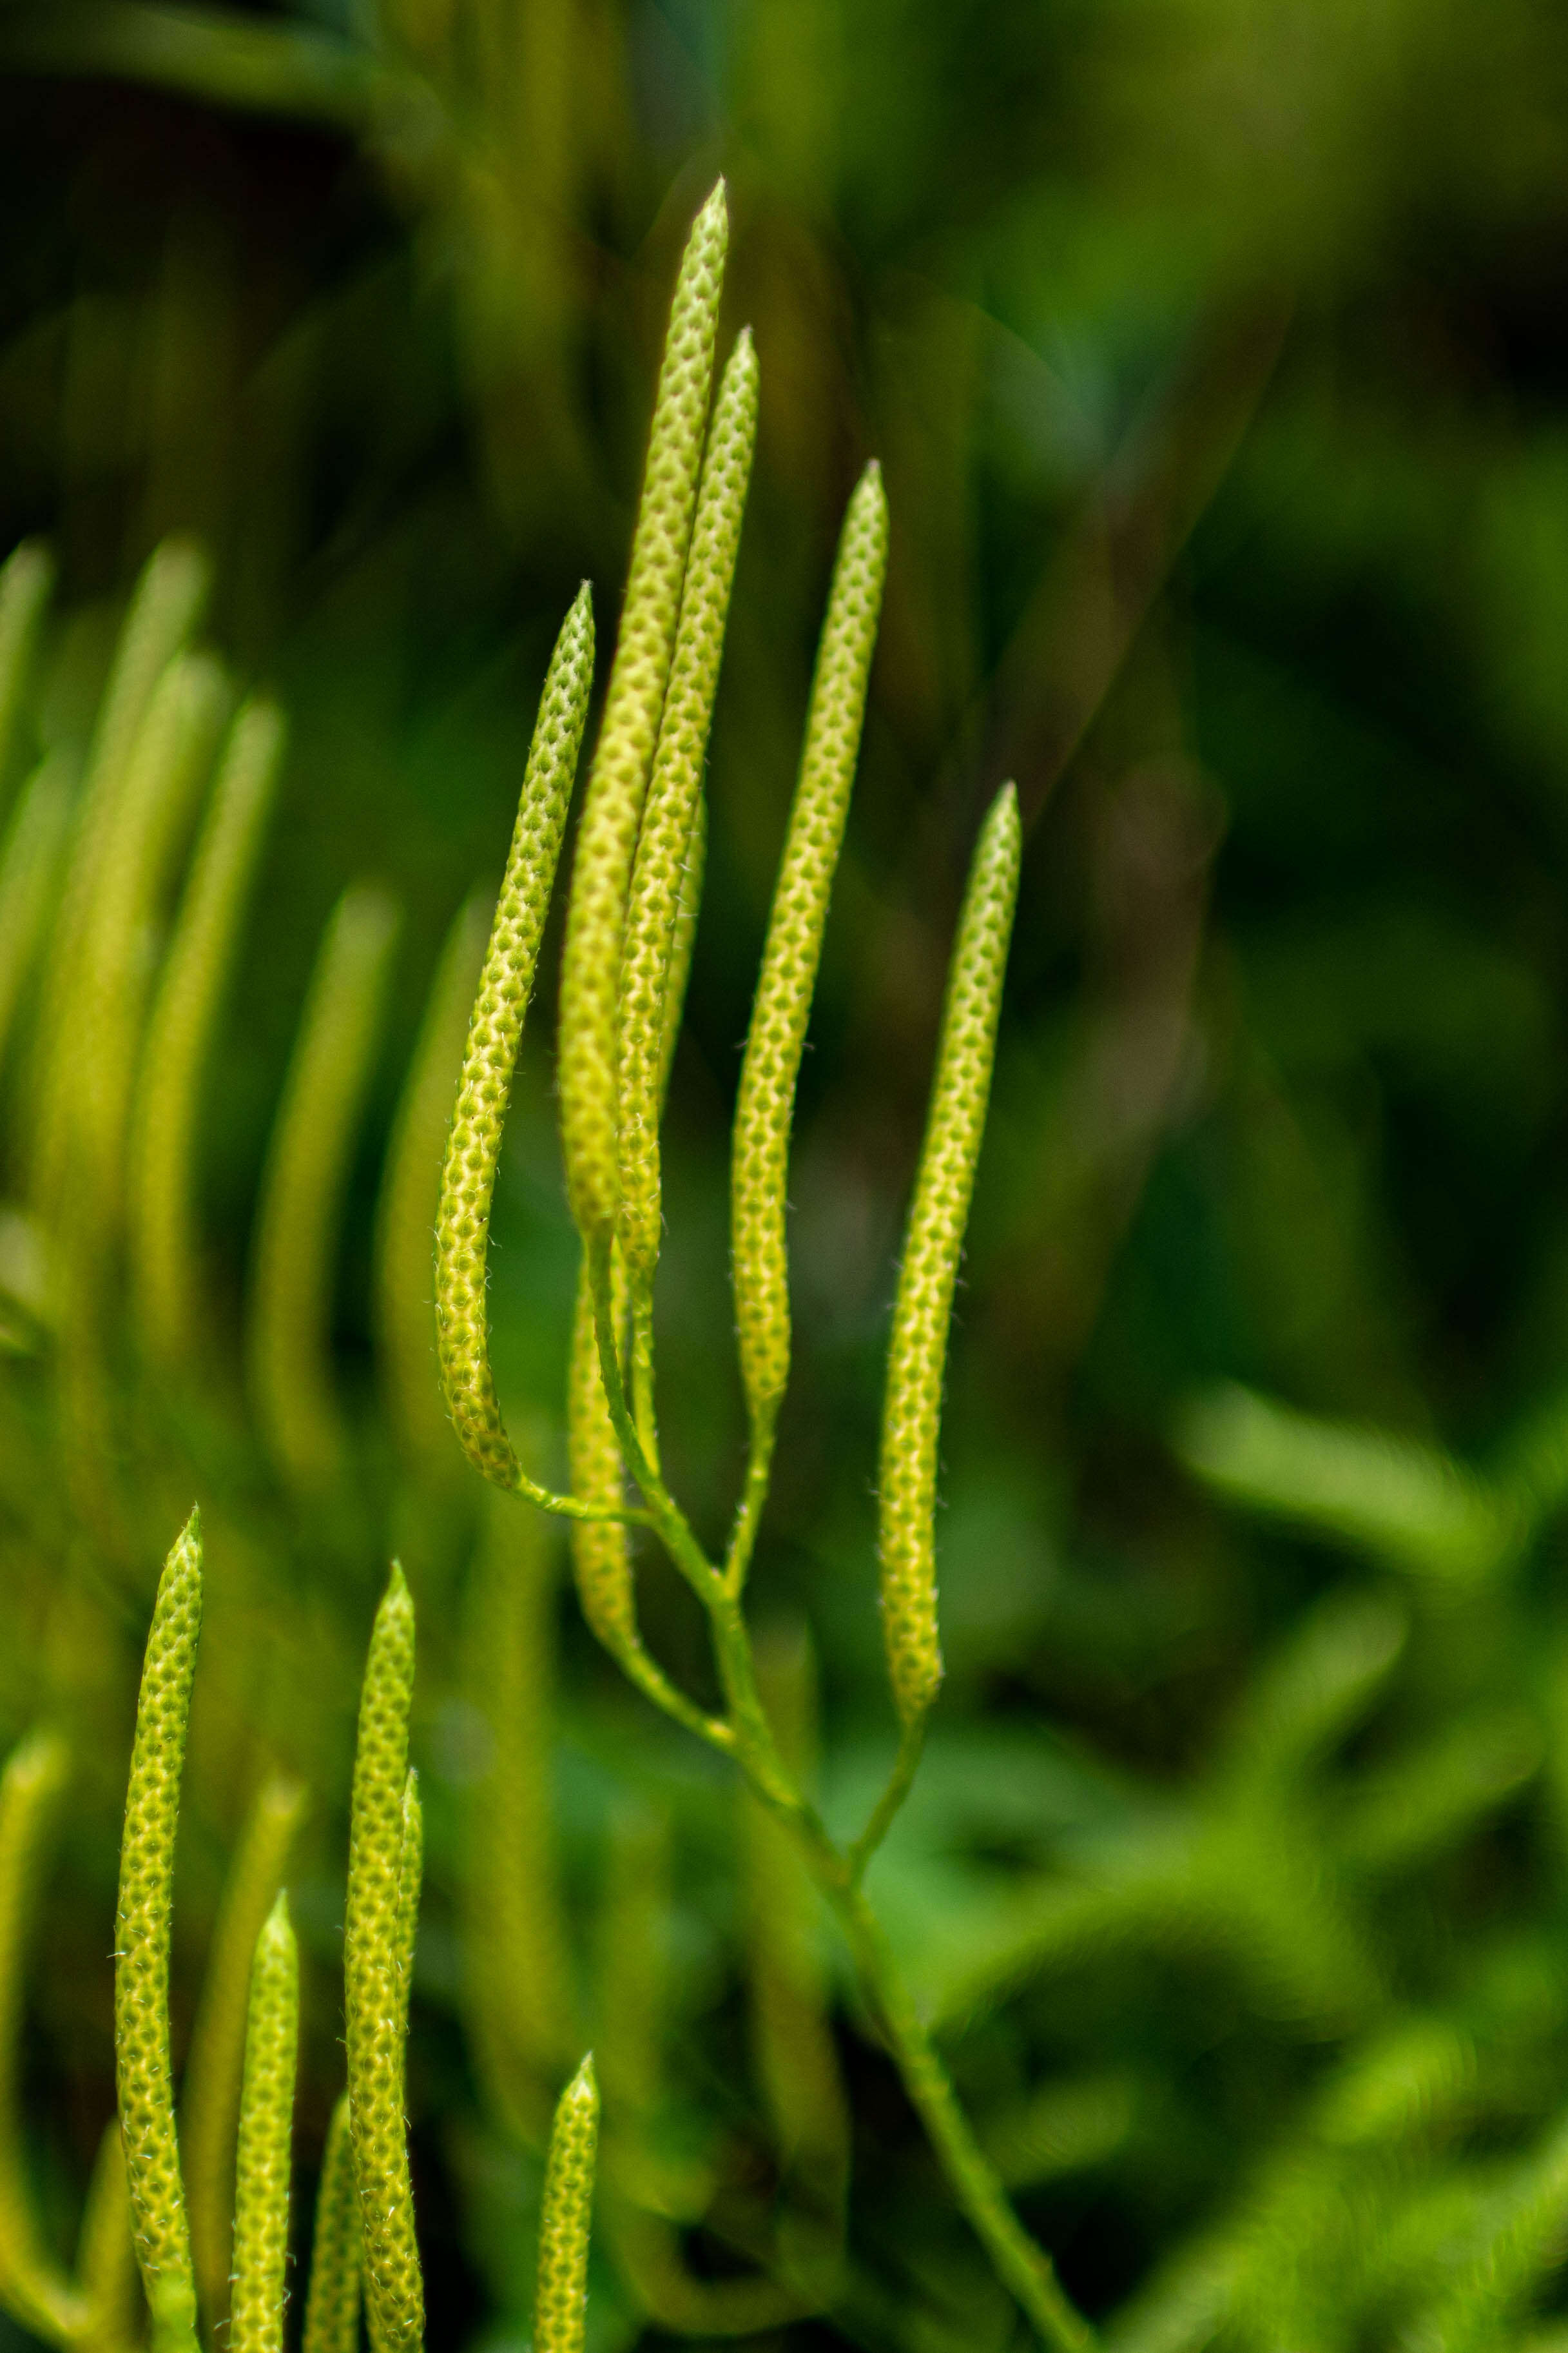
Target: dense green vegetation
column 1214, row 360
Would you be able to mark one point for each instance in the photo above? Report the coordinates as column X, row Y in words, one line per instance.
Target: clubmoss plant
column 138, row 2196
column 933, row 1242
column 614, row 1033
column 562, row 2300
column 142, row 1946
column 266, row 2135
column 764, row 1108
column 213, row 2071
column 332, row 2303
column 590, row 974
column 671, row 815
column 495, row 1032
column 383, row 1859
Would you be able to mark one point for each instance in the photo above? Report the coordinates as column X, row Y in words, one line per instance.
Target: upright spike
column 266, row 2134
column 141, row 1953
column 166, row 1275
column 561, row 2303
column 213, row 2071
column 375, row 1940
column 764, row 1109
column 495, row 1031
column 673, row 802
column 917, row 1358
column 608, row 836
column 333, row 2301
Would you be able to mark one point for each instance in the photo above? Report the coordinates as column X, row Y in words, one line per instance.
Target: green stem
column 1023, row 2264
column 573, row 1507
column 754, row 1498
column 664, row 1513
column 1019, row 2261
column 912, row 1742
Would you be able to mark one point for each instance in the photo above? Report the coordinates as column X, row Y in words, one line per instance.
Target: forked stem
column 911, row 1746
column 976, row 2184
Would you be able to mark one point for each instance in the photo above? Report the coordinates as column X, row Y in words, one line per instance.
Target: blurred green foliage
column 1214, row 356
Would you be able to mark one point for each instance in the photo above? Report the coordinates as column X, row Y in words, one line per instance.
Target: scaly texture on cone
column 764, row 1108
column 143, row 1914
column 495, row 1032
column 917, row 1356
column 375, row 1931
column 634, row 703
column 561, row 2302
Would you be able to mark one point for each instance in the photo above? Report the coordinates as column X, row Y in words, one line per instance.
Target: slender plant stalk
column 164, row 610
column 561, row 2302
column 29, row 867
column 213, row 2071
column 608, row 836
column 26, row 584
column 34, row 2286
column 165, row 1271
column 611, row 1423
column 764, row 1108
column 332, row 2302
column 303, row 1191
column 409, row 1210
column 923, row 1316
column 670, row 812
column 374, row 1944
column 495, row 1031
column 519, row 1988
column 141, row 1945
column 265, row 2136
